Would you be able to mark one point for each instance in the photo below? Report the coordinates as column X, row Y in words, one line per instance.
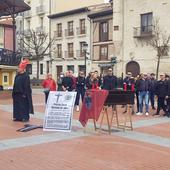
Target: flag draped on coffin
column 92, row 105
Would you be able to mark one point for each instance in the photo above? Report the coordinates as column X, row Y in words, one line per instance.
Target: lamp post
column 84, row 48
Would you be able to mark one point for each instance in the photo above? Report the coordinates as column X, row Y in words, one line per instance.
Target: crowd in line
column 145, row 86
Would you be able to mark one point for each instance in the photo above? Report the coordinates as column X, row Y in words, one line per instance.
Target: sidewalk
column 145, row 148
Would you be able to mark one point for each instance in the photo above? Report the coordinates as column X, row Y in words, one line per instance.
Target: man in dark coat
column 161, row 92
column 67, row 83
column 168, row 98
column 109, row 81
column 22, row 95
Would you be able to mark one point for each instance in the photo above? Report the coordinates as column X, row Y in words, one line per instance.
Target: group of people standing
column 145, row 86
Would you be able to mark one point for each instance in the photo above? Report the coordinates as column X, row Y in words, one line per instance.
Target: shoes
column 139, row 113
column 147, row 114
column 153, row 108
column 77, row 109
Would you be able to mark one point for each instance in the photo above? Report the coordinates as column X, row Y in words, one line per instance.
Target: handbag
column 46, row 90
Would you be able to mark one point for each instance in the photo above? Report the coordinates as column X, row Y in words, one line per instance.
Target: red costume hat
column 23, row 64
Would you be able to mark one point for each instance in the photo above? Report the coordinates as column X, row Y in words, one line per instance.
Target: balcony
column 40, row 30
column 9, row 58
column 69, row 32
column 81, row 31
column 27, row 14
column 69, row 54
column 142, row 32
column 57, row 34
column 40, row 10
column 80, row 54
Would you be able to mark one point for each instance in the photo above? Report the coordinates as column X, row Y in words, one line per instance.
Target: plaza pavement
column 147, row 147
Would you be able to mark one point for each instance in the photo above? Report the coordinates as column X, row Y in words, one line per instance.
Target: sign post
column 59, row 111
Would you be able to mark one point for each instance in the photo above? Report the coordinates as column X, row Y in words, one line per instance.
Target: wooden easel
column 127, row 118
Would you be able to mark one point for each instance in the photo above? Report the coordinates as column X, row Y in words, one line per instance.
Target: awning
column 10, row 7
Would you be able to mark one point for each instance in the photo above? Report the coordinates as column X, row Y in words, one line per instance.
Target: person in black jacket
column 80, row 88
column 109, row 81
column 67, row 83
column 161, row 91
column 152, row 90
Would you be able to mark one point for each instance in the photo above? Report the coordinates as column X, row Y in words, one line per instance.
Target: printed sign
column 59, row 111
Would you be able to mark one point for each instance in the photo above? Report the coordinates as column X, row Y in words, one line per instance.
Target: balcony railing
column 69, row 32
column 27, row 14
column 144, row 31
column 9, row 58
column 40, row 29
column 40, row 9
column 81, row 31
column 69, row 54
column 80, row 54
column 57, row 34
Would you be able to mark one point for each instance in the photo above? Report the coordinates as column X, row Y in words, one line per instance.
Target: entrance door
column 59, row 70
column 133, row 67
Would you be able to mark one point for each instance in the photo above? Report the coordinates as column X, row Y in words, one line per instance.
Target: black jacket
column 152, row 85
column 68, row 83
column 168, row 88
column 80, row 83
column 161, row 88
column 109, row 82
column 143, row 85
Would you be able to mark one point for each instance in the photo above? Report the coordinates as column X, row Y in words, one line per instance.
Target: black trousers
column 161, row 104
column 168, row 106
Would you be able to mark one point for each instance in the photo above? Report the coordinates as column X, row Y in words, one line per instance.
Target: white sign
column 59, row 111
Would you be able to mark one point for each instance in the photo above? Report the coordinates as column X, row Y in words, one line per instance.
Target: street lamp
column 84, row 48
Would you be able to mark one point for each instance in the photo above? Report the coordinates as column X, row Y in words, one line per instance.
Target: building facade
column 8, row 64
column 102, row 38
column 133, row 25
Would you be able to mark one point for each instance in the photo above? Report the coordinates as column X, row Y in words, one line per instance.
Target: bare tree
column 35, row 45
column 159, row 42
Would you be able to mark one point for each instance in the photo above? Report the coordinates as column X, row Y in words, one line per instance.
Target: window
column 59, row 30
column 104, row 31
column 103, row 52
column 146, row 23
column 48, row 67
column 70, row 50
column 81, row 49
column 82, row 68
column 82, row 26
column 59, row 50
column 70, row 28
column 1, row 37
column 29, row 69
column 70, row 67
column 41, row 69
column 5, row 79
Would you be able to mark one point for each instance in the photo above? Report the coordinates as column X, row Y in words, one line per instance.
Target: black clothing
column 59, row 83
column 109, row 82
column 142, row 85
column 153, row 83
column 161, row 88
column 80, row 89
column 129, row 82
column 22, row 97
column 68, row 83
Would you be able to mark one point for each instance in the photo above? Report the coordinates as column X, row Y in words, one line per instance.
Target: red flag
column 92, row 105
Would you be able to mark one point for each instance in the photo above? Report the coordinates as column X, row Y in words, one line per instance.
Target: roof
column 9, row 7
column 101, row 13
column 71, row 12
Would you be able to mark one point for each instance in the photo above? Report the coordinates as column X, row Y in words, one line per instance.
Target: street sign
column 59, row 111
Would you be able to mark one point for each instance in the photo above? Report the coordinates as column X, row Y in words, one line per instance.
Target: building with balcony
column 8, row 60
column 133, row 26
column 102, row 38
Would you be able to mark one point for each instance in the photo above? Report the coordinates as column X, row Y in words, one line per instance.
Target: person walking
column 22, row 94
column 48, row 84
column 161, row 92
column 80, row 88
column 143, row 86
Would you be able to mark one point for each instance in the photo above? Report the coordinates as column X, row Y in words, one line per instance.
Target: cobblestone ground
column 147, row 147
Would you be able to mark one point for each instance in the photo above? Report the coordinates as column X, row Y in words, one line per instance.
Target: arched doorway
column 133, row 67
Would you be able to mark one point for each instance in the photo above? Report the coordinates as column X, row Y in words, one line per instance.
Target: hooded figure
column 22, row 94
